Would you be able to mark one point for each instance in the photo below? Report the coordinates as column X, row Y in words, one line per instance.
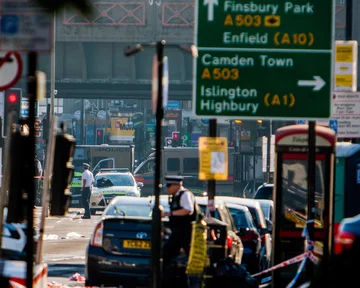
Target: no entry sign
column 10, row 69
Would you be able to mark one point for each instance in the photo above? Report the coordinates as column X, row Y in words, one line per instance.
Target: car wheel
column 93, row 211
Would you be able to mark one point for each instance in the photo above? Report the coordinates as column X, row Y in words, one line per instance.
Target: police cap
column 173, row 180
column 86, row 165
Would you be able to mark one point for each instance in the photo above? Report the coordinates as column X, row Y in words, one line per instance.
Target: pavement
column 64, row 247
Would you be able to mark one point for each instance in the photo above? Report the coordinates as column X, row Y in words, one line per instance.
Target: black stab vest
column 180, row 222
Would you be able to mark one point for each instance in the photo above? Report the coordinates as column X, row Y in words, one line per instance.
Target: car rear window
column 264, row 193
column 240, row 219
column 258, row 217
column 266, row 209
column 132, row 210
column 217, row 215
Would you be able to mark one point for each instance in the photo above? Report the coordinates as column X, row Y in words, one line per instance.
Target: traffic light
column 18, row 183
column 176, row 139
column 264, row 129
column 99, row 137
column 12, row 103
column 63, row 172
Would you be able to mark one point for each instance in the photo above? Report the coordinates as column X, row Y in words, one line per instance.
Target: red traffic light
column 12, row 98
column 176, row 136
column 99, row 133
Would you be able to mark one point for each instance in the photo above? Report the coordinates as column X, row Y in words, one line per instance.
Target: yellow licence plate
column 137, row 244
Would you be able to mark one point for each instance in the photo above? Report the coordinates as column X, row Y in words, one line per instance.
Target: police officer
column 182, row 213
column 87, row 181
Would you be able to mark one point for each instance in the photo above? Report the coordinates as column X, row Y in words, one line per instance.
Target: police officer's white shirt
column 187, row 200
column 89, row 177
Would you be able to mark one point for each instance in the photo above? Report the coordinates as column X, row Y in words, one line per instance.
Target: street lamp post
column 156, row 218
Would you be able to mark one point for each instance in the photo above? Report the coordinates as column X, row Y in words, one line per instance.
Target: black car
column 249, row 234
column 263, row 225
column 264, row 191
column 345, row 259
column 222, row 213
column 119, row 252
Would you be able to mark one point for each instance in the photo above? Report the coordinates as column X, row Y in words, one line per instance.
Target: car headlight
column 133, row 194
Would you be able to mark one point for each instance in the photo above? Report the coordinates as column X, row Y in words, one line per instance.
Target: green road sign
column 264, row 59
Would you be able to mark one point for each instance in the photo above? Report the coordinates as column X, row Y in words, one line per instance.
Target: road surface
column 65, row 242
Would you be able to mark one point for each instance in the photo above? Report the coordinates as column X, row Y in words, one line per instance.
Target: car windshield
column 264, row 193
column 240, row 219
column 102, row 181
column 132, row 210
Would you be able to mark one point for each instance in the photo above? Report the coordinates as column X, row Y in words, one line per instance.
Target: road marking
column 51, row 237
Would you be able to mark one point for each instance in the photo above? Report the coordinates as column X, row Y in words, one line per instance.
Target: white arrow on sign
column 318, row 83
column 211, row 4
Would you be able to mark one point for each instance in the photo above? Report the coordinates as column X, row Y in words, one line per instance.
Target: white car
column 109, row 183
column 14, row 241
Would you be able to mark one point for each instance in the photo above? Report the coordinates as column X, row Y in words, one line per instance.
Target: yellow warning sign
column 344, row 80
column 344, row 53
column 345, row 65
column 272, row 21
column 213, row 154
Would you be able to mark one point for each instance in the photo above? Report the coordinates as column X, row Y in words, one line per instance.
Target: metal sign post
column 156, row 227
column 212, row 183
column 311, row 189
column 158, row 108
column 32, row 89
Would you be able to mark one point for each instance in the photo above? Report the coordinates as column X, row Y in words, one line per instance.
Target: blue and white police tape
column 308, row 254
column 309, row 248
column 300, row 269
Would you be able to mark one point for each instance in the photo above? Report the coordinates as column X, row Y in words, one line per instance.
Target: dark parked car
column 265, row 191
column 222, row 213
column 119, row 251
column 249, row 234
column 261, row 224
column 347, row 240
column 344, row 260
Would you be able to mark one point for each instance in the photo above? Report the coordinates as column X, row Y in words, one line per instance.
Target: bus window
column 173, row 165
column 295, row 193
column 148, row 166
column 191, row 165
